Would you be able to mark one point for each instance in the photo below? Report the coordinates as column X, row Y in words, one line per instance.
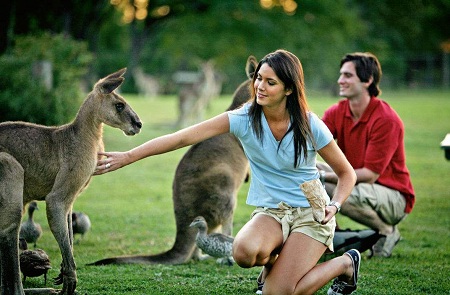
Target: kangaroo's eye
column 120, row 106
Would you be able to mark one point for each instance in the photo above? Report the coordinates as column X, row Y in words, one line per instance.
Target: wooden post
column 197, row 90
column 445, row 71
column 445, row 64
column 43, row 72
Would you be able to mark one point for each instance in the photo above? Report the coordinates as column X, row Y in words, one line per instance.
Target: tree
column 319, row 32
column 166, row 35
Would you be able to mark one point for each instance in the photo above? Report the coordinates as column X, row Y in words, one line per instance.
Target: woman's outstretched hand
column 110, row 161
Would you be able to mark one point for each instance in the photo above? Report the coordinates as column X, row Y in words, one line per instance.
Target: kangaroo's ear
column 250, row 66
column 117, row 74
column 109, row 85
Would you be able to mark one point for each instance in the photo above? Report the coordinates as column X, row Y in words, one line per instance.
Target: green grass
column 132, row 213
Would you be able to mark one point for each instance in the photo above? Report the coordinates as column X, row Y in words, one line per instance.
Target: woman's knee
column 253, row 246
column 244, row 253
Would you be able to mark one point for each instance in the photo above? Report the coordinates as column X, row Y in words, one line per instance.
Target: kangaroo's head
column 243, row 92
column 114, row 110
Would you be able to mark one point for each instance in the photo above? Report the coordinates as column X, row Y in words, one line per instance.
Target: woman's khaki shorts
column 300, row 220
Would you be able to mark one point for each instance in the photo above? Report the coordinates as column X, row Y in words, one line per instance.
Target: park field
column 132, row 212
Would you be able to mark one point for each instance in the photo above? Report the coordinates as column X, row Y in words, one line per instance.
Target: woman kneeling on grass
column 281, row 139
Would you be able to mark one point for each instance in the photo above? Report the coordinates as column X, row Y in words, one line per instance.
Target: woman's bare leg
column 296, row 270
column 257, row 242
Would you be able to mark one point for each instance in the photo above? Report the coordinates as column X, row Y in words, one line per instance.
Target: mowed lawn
column 132, row 212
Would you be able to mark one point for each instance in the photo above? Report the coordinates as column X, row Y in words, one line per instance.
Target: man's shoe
column 385, row 245
column 339, row 287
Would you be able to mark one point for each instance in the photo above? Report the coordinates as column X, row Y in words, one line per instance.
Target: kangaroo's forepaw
column 69, row 283
column 58, row 280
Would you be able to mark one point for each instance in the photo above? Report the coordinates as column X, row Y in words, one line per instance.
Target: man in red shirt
column 370, row 133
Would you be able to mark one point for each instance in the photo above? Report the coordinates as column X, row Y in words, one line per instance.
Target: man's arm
column 362, row 175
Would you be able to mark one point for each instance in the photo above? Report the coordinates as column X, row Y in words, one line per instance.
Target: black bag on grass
column 347, row 239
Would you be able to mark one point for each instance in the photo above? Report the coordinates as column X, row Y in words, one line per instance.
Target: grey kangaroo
column 54, row 164
column 206, row 183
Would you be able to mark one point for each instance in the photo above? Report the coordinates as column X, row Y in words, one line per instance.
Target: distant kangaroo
column 206, row 183
column 54, row 164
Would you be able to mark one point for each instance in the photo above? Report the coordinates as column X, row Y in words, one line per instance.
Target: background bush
column 24, row 97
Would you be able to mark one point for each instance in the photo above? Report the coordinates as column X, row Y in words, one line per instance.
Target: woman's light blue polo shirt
column 273, row 175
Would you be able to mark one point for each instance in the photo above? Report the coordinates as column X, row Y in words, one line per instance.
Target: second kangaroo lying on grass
column 54, row 164
column 206, row 183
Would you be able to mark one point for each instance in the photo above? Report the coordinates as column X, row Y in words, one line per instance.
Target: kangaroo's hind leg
column 11, row 206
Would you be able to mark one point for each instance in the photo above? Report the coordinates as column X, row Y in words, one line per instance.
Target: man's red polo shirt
column 375, row 142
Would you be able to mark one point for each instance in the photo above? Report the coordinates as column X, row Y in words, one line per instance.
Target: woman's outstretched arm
column 188, row 136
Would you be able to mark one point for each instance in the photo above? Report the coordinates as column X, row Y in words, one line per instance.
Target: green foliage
column 112, row 47
column 23, row 95
column 132, row 213
column 406, row 35
column 319, row 33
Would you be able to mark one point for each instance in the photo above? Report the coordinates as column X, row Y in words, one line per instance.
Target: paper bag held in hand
column 317, row 198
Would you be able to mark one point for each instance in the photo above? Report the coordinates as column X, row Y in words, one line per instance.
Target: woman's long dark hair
column 289, row 70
